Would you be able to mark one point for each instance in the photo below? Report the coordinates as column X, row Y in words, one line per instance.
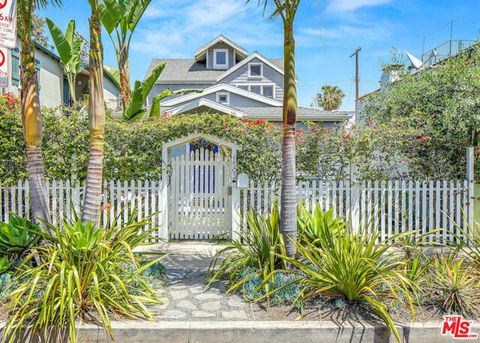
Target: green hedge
column 133, row 150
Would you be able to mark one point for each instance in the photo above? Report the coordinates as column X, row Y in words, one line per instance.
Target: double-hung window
column 220, row 58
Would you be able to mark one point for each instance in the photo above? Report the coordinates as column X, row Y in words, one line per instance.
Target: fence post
column 354, row 200
column 235, row 212
column 471, row 183
column 163, row 206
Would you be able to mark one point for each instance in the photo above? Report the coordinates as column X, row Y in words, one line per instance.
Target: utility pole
column 357, row 79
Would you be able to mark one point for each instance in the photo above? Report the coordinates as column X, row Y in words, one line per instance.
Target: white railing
column 391, row 207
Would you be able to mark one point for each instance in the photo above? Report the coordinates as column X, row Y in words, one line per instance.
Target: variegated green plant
column 86, row 273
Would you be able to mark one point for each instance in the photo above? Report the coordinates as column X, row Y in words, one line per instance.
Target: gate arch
column 201, row 173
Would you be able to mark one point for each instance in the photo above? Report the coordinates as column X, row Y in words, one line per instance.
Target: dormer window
column 220, row 58
column 255, row 70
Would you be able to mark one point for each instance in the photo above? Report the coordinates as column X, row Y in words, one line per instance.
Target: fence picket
column 390, row 207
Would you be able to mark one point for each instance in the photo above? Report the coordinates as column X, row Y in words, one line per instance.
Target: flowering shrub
column 132, row 150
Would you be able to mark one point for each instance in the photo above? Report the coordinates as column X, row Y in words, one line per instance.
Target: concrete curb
column 265, row 331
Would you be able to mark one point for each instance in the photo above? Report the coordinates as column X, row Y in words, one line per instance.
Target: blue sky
column 327, row 32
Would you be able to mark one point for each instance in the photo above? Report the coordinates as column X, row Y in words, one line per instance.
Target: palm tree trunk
column 288, row 200
column 32, row 128
column 96, row 109
column 124, row 70
column 71, row 87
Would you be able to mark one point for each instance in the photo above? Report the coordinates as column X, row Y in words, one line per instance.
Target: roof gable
column 200, row 54
column 198, row 103
column 253, row 56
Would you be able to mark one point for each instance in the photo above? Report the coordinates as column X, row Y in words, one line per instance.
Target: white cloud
column 367, row 31
column 352, row 5
column 176, row 30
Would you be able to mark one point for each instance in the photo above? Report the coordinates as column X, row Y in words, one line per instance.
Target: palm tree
column 70, row 48
column 286, row 10
column 120, row 21
column 96, row 115
column 30, row 106
column 329, row 98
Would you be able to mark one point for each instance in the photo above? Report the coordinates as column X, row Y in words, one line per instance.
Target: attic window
column 220, row 58
column 223, row 98
column 255, row 70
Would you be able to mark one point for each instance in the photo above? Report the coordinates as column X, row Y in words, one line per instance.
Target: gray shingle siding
column 270, row 76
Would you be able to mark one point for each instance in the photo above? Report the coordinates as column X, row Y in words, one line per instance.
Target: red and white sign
column 456, row 327
column 8, row 23
column 3, row 67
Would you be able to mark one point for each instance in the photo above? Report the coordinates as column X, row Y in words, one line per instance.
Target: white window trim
column 250, row 72
column 215, row 64
column 261, row 87
column 227, row 95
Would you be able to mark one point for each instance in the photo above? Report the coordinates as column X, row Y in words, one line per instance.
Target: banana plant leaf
column 155, row 109
column 61, row 42
column 140, row 93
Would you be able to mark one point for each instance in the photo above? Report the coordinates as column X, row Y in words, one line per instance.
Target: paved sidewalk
column 185, row 295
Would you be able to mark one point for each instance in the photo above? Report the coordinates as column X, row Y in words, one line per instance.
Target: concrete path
column 185, row 295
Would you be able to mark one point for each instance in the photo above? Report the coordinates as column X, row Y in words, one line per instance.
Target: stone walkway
column 185, row 296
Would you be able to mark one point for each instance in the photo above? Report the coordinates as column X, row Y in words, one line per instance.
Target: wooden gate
column 200, row 195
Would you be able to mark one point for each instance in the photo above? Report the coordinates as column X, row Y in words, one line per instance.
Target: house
column 234, row 82
column 53, row 85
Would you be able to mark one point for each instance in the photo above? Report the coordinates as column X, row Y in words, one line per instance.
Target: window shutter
column 15, row 67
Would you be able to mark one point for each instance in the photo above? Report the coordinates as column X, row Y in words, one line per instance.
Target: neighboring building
column 233, row 82
column 391, row 73
column 53, row 85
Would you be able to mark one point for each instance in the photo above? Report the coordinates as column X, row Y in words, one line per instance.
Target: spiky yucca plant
column 453, row 285
column 257, row 249
column 354, row 267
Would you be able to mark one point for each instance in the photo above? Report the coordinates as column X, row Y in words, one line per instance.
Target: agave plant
column 17, row 236
column 312, row 227
column 353, row 267
column 257, row 250
column 453, row 285
column 86, row 273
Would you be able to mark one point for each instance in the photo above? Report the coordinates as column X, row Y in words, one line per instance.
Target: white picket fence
column 120, row 199
column 391, row 207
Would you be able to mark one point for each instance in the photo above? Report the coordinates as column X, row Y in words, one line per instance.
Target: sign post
column 8, row 24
